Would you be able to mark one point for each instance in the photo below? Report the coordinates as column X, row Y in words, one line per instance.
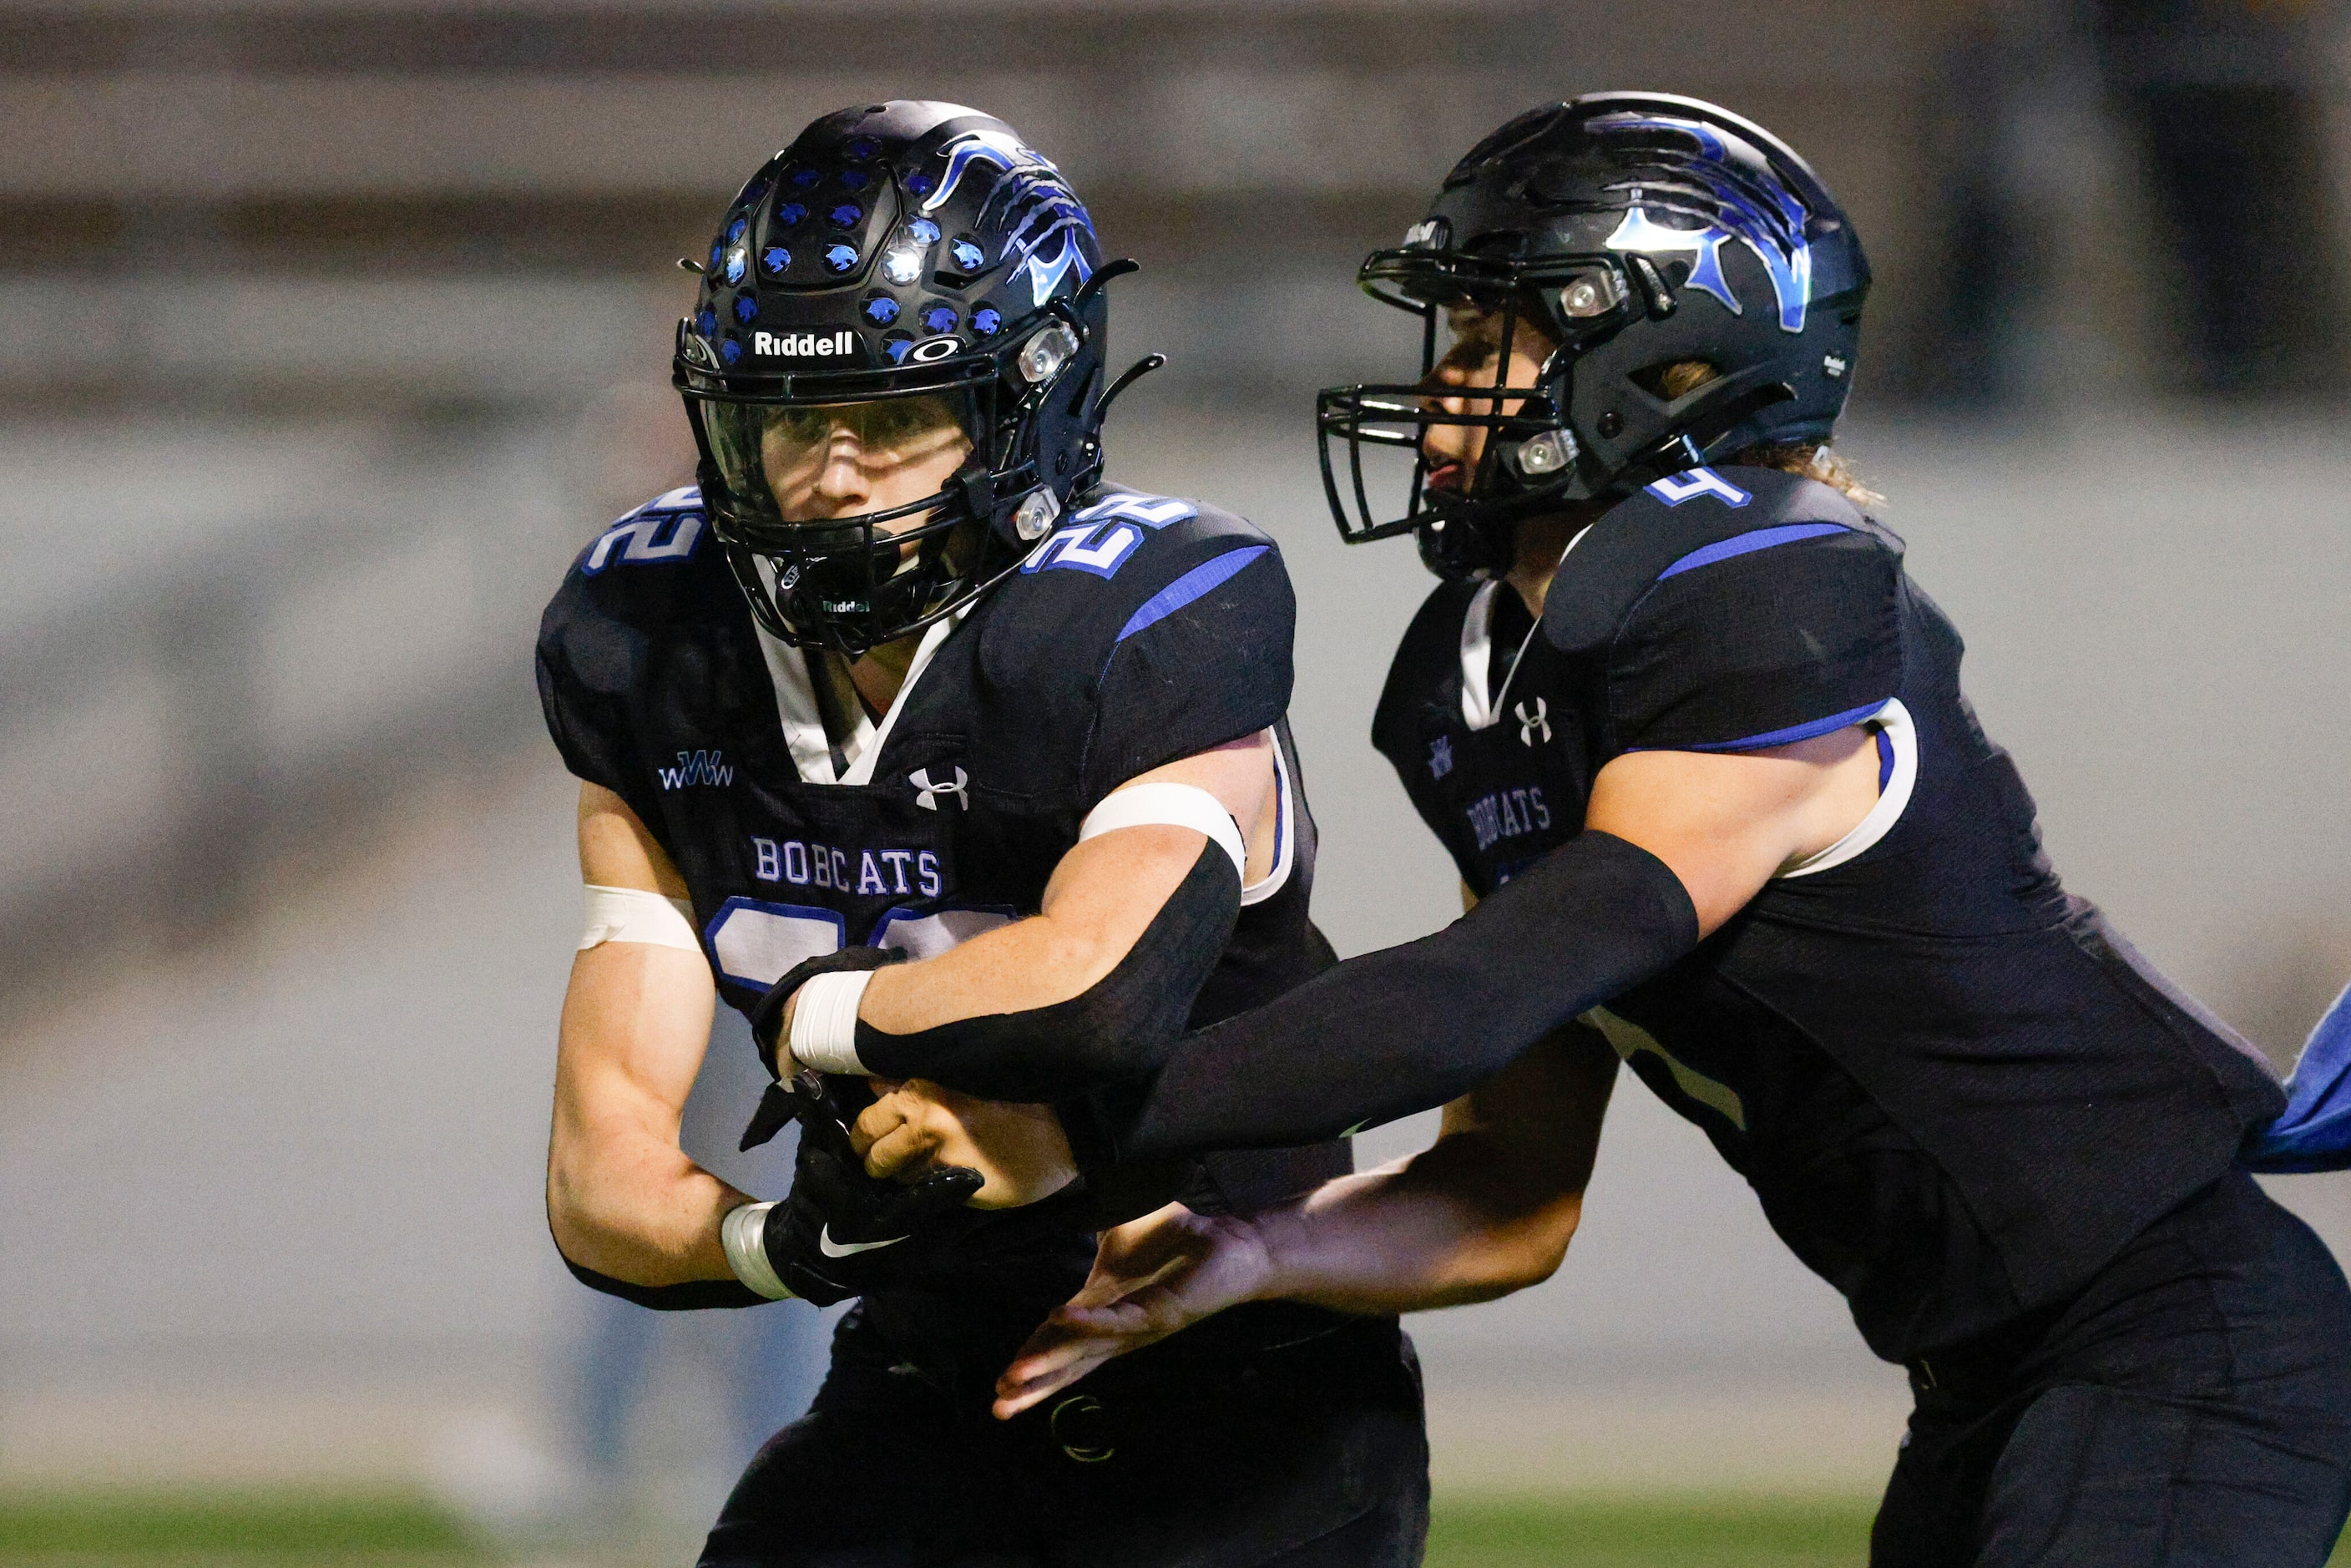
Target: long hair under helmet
column 907, row 267
column 1638, row 231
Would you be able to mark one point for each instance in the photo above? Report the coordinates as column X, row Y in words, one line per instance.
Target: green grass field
column 1686, row 1532
column 280, row 1531
column 276, row 1530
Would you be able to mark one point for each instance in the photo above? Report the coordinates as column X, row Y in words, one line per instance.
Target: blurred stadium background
column 331, row 328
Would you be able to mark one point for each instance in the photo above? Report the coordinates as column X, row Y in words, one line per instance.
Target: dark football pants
column 1308, row 1455
column 2190, row 1409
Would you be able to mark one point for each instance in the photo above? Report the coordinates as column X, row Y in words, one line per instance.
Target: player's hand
column 841, row 1233
column 1152, row 1276
column 917, row 1128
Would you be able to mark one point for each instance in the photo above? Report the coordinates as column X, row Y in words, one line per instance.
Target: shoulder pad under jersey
column 654, row 573
column 1691, row 518
column 1156, row 626
column 651, row 564
column 1735, row 610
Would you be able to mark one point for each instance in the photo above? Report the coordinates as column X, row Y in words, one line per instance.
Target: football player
column 902, row 720
column 1698, row 746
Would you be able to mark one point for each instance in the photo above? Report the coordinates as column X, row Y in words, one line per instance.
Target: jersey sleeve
column 593, row 642
column 1146, row 630
column 584, row 707
column 1204, row 660
column 1736, row 627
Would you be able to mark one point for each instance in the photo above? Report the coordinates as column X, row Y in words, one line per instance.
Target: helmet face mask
column 1633, row 231
column 903, row 281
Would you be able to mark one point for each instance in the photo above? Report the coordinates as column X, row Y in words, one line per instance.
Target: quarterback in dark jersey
column 900, row 720
column 1698, row 746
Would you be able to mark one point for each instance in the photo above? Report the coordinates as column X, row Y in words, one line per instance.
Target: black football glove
column 840, row 1232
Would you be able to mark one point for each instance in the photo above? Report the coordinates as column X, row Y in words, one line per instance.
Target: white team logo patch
column 929, row 792
column 1530, row 724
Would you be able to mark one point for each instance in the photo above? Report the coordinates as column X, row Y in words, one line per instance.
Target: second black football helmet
column 1636, row 231
column 908, row 269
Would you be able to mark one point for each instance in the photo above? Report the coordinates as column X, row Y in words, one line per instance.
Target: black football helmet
column 1637, row 230
column 903, row 266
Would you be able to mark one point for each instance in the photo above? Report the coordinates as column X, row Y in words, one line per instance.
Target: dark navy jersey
column 1144, row 630
column 1955, row 1088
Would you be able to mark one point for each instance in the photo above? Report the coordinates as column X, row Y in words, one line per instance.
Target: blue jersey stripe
column 1194, row 584
column 1790, row 736
column 1760, row 539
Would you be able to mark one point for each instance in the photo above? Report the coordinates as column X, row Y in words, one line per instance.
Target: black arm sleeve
column 1408, row 1027
column 1120, row 1027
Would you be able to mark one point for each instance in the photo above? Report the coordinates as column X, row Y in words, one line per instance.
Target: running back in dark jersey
column 1144, row 630
column 1955, row 1088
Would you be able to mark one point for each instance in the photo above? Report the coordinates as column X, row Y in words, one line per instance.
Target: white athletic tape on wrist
column 632, row 914
column 824, row 1021
column 739, row 1232
column 1171, row 805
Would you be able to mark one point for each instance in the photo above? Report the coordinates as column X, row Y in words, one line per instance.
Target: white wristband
column 1169, row 805
column 739, row 1232
column 824, row 1021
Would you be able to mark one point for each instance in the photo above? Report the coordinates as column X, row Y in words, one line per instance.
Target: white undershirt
column 803, row 720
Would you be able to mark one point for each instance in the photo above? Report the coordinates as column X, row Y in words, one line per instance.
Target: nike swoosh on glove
column 839, row 1232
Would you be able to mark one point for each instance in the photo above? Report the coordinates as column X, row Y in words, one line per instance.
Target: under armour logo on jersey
column 1529, row 723
column 1676, row 489
column 1440, row 756
column 928, row 793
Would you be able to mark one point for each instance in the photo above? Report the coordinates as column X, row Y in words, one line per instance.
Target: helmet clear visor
column 819, row 462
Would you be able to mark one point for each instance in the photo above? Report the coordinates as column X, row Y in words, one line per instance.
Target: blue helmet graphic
column 1759, row 213
column 1028, row 197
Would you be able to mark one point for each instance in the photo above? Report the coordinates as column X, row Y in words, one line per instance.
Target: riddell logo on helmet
column 800, row 345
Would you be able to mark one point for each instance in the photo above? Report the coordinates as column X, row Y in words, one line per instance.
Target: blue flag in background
column 2314, row 1134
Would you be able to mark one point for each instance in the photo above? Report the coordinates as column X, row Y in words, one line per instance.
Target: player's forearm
column 1031, row 963
column 1410, row 1238
column 1126, row 995
column 624, row 1203
column 1409, row 1028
